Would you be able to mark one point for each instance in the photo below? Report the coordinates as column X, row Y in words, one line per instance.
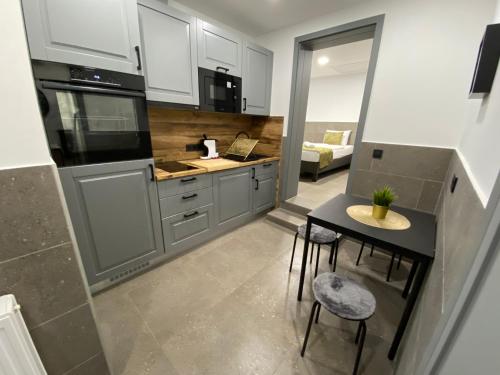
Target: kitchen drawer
column 187, row 229
column 185, row 202
column 182, row 185
column 266, row 168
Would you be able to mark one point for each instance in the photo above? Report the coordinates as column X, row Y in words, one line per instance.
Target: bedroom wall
column 423, row 73
column 314, row 131
column 335, row 98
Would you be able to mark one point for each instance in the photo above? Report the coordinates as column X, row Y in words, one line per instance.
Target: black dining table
column 416, row 243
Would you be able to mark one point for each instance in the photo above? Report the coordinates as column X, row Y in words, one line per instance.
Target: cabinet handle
column 191, row 214
column 253, row 173
column 188, row 179
column 222, row 68
column 152, row 169
column 267, row 165
column 244, row 104
column 138, row 53
column 190, row 196
column 257, row 186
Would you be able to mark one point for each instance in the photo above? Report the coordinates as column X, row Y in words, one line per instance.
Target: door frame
column 302, row 55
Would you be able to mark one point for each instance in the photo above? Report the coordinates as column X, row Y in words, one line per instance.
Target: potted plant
column 382, row 199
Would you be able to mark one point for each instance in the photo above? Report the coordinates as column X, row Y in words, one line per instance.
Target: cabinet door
column 115, row 213
column 264, row 195
column 95, row 33
column 256, row 81
column 218, row 49
column 233, row 197
column 169, row 48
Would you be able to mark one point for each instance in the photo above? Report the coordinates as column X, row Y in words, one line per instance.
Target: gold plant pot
column 379, row 212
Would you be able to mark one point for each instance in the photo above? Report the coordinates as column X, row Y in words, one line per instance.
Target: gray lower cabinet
column 103, row 34
column 187, row 229
column 233, row 197
column 264, row 195
column 115, row 213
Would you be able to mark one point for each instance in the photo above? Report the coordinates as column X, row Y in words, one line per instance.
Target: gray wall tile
column 95, row 366
column 462, row 221
column 407, row 189
column 429, row 196
column 428, row 163
column 46, row 284
column 32, row 217
column 67, row 341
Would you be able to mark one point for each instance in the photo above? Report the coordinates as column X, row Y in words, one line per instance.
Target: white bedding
column 338, row 151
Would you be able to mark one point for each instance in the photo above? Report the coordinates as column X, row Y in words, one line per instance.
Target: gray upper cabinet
column 115, row 212
column 97, row 33
column 168, row 39
column 256, row 80
column 218, row 48
column 233, row 197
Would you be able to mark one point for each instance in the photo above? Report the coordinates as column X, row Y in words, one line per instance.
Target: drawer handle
column 190, row 196
column 253, row 173
column 191, row 214
column 267, row 165
column 188, row 179
column 257, row 186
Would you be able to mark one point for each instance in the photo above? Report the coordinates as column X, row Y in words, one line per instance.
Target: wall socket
column 377, row 153
column 194, row 147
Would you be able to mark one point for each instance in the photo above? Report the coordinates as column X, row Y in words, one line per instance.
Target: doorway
column 311, row 159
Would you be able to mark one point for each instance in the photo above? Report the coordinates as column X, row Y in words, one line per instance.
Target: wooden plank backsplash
column 173, row 129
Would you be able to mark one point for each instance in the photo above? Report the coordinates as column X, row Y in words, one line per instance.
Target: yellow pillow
column 333, row 138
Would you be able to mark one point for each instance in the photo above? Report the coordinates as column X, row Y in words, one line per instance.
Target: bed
column 315, row 158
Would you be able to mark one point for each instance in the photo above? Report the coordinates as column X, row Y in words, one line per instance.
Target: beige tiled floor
column 230, row 307
column 312, row 194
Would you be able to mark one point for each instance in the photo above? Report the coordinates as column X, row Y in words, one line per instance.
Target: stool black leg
column 317, row 314
column 311, row 317
column 360, row 347
column 293, row 251
column 399, row 262
column 360, row 252
column 390, row 267
column 312, row 251
column 371, row 252
column 332, row 250
column 317, row 260
column 358, row 332
column 336, row 253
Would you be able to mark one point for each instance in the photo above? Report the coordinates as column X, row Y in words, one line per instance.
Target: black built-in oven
column 92, row 115
column 219, row 92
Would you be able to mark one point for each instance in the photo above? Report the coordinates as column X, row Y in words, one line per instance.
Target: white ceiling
column 351, row 58
column 257, row 17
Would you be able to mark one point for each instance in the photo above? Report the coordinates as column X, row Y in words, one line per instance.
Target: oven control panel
column 94, row 76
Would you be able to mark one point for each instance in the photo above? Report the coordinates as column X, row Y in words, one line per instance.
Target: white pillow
column 345, row 135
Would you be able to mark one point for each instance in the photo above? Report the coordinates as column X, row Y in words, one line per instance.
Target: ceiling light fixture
column 323, row 60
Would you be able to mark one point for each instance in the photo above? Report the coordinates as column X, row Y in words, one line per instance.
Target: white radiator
column 18, row 355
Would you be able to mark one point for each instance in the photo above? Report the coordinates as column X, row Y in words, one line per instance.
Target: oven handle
column 91, row 89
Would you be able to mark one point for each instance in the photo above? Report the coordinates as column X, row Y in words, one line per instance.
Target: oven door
column 88, row 125
column 219, row 92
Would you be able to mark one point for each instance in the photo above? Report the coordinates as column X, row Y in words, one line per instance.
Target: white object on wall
column 22, row 138
column 335, row 98
column 18, row 355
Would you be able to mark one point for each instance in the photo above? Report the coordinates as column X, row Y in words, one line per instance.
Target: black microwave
column 219, row 92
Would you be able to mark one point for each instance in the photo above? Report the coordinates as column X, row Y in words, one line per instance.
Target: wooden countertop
column 208, row 166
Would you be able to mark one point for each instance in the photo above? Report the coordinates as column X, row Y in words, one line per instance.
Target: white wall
column 424, row 68
column 479, row 146
column 22, row 137
column 335, row 98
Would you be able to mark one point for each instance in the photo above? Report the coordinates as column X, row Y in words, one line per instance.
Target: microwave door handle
column 90, row 89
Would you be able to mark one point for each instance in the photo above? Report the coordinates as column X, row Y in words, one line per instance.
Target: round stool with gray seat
column 346, row 299
column 319, row 236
